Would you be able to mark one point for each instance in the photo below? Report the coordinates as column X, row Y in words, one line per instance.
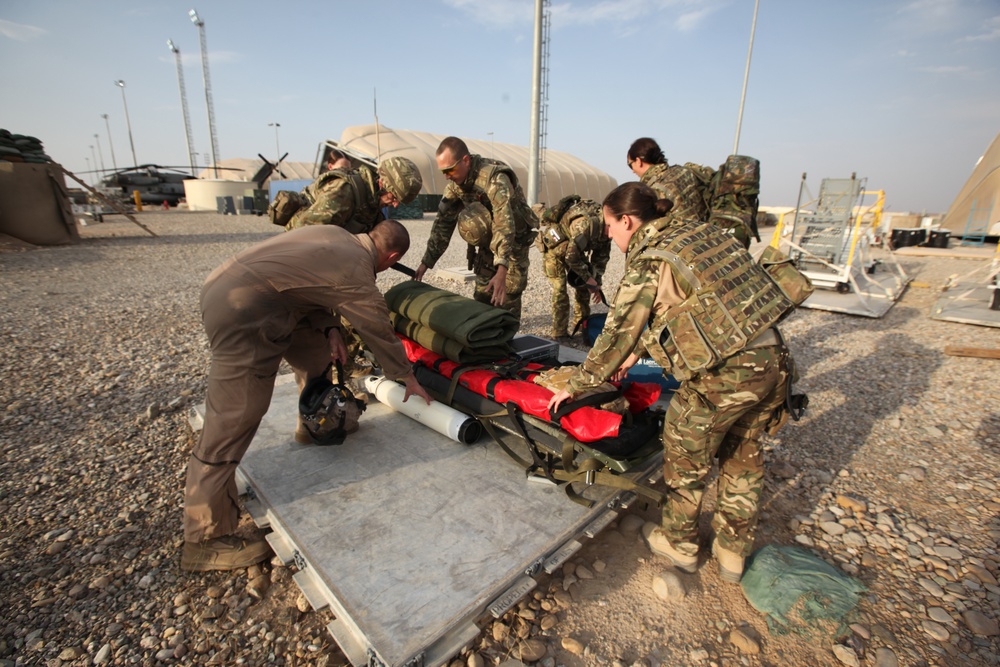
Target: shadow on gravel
column 894, row 372
column 180, row 239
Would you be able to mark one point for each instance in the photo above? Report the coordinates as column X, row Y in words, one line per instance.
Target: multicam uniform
column 680, row 185
column 512, row 227
column 348, row 199
column 699, row 304
column 575, row 243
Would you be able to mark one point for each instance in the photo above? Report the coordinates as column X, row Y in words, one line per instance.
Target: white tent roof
column 563, row 174
column 978, row 202
column 244, row 169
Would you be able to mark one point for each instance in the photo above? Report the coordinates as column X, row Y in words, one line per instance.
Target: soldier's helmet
column 475, row 225
column 401, row 178
column 329, row 411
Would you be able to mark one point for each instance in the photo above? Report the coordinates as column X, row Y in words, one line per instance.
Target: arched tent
column 563, row 174
column 976, row 209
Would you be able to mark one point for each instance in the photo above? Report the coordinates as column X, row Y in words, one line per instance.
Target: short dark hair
column 647, row 150
column 638, row 200
column 390, row 236
column 455, row 145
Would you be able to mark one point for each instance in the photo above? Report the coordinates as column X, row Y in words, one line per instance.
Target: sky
column 903, row 93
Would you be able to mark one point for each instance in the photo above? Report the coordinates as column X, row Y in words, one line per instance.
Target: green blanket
column 466, row 321
column 447, row 347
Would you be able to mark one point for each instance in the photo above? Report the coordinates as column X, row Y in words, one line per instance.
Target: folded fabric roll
column 471, row 323
column 445, row 346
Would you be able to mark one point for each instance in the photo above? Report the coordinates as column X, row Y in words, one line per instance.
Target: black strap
column 592, row 399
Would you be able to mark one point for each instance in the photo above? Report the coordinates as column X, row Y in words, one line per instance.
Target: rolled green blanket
column 470, row 323
column 446, row 347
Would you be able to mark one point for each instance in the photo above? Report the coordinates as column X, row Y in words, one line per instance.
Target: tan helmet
column 475, row 225
column 400, row 178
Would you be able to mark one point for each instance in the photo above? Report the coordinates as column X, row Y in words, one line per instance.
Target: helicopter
column 156, row 184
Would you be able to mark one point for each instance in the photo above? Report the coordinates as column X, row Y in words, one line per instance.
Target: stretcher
column 415, row 541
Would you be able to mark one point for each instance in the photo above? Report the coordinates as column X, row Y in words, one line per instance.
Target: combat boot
column 660, row 545
column 730, row 563
column 229, row 552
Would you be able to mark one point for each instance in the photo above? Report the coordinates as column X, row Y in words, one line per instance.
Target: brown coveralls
column 269, row 302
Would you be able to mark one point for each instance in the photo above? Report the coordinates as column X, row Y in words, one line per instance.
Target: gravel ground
column 892, row 476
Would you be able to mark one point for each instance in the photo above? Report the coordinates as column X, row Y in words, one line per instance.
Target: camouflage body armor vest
column 682, row 185
column 525, row 222
column 362, row 181
column 731, row 300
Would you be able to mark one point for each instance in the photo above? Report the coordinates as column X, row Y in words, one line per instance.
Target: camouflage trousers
column 555, row 271
column 722, row 413
column 517, row 279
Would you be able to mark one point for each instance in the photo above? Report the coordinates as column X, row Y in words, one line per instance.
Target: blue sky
column 905, row 93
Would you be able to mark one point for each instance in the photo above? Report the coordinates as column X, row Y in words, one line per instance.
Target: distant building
column 976, row 209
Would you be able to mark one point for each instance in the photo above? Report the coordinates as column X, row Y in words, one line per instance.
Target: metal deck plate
column 967, row 304
column 407, row 536
column 882, row 290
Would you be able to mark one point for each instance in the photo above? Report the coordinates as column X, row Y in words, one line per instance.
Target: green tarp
column 457, row 327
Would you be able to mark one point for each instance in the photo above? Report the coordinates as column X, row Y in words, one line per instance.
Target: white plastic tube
column 445, row 420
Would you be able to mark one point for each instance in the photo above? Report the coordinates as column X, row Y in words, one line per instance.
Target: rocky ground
column 892, row 476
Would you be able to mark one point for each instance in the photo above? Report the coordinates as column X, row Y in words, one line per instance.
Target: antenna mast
column 378, row 139
column 184, row 104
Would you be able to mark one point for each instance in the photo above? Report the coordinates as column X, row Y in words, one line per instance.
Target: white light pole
column 114, row 163
column 97, row 141
column 214, row 145
column 276, row 147
column 128, row 123
column 88, row 169
column 94, row 155
column 746, row 75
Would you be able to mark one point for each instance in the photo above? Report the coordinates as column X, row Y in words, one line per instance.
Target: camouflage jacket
column 587, row 248
column 689, row 289
column 494, row 185
column 682, row 186
column 348, row 199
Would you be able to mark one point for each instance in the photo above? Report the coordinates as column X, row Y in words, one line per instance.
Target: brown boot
column 224, row 553
column 730, row 563
column 660, row 545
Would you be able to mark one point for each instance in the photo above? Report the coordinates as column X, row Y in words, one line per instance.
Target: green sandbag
column 446, row 347
column 798, row 591
column 460, row 318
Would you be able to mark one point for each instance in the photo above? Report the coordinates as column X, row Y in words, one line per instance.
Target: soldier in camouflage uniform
column 575, row 247
column 680, row 184
column 354, row 199
column 682, row 279
column 487, row 205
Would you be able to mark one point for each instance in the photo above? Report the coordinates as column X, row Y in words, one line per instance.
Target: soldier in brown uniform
column 280, row 299
column 694, row 300
column 487, row 205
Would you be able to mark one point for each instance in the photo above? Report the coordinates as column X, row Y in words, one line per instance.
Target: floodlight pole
column 184, row 104
column 746, row 76
column 108, row 125
column 121, row 84
column 534, row 141
column 208, row 89
column 97, row 140
column 276, row 147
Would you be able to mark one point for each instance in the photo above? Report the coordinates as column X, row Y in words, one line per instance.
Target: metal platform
column 968, row 304
column 406, row 536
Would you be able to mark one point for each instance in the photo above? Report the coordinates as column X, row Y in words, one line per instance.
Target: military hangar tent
column 562, row 174
column 976, row 210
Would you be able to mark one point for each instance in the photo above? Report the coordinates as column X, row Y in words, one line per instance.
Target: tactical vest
column 591, row 211
column 683, row 186
column 525, row 221
column 731, row 300
column 551, row 231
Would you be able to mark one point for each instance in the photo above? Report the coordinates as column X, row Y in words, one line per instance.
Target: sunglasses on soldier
column 448, row 170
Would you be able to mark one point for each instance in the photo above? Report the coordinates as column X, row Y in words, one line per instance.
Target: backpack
column 286, row 204
column 731, row 193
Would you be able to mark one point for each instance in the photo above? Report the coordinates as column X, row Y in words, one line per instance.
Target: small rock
column 846, row 655
column 981, row 624
column 832, row 528
column 258, row 587
column 103, row 655
column 474, row 660
column 698, row 655
column 71, row 653
column 856, row 505
column 302, row 604
column 935, row 630
column 668, row 586
column 630, row 524
column 742, row 640
column 939, row 615
column 531, row 650
column 884, row 657
column 573, row 646
column 583, row 573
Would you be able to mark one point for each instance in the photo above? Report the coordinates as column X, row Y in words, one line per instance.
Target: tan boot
column 224, row 553
column 730, row 563
column 660, row 545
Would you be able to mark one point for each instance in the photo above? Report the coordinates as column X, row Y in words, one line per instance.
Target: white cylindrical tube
column 445, row 420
